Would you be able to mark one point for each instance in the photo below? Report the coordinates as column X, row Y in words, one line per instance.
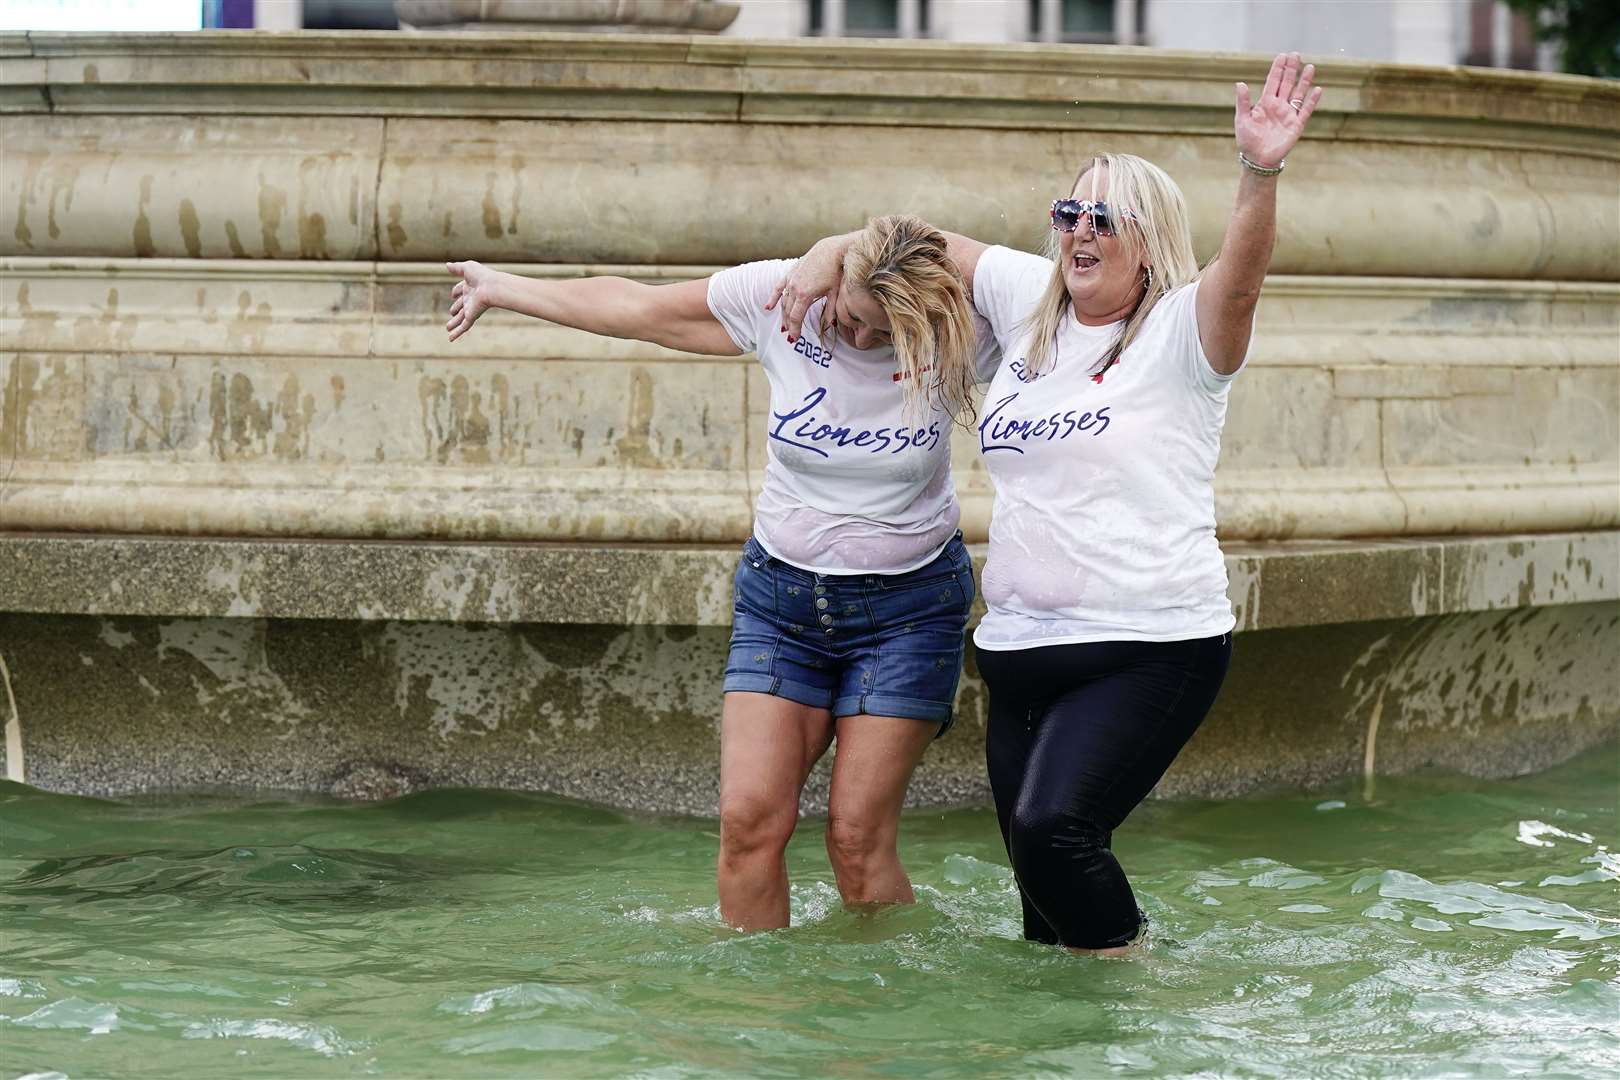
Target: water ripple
column 477, row 933
column 323, row 1040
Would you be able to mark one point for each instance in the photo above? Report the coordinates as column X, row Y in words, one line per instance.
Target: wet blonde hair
column 1156, row 232
column 901, row 260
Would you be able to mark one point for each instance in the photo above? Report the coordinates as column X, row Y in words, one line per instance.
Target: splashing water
column 1452, row 927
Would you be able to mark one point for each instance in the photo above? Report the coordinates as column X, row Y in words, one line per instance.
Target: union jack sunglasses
column 1066, row 214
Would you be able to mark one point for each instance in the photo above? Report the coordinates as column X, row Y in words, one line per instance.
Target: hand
column 1268, row 128
column 470, row 297
column 817, row 274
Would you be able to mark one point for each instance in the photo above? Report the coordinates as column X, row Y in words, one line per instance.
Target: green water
column 1449, row 927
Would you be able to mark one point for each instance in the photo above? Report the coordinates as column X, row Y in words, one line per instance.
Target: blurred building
column 1479, row 32
column 1484, row 33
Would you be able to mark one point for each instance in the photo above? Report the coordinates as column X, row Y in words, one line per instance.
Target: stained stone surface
column 262, row 525
column 1271, row 585
column 372, row 669
column 222, row 300
column 1504, row 174
column 629, row 716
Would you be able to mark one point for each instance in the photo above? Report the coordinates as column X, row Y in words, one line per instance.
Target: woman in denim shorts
column 852, row 594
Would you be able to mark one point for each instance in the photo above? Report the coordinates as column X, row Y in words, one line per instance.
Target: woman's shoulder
column 1005, row 263
column 1182, row 293
column 1175, row 306
column 737, row 296
column 1007, row 283
column 1170, row 334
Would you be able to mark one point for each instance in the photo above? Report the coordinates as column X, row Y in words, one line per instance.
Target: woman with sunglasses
column 1107, row 634
column 852, row 595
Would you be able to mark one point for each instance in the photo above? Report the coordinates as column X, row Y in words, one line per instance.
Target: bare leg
column 1117, row 950
column 875, row 759
column 1130, row 948
column 768, row 746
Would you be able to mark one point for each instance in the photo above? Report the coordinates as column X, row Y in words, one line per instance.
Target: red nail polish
column 790, row 339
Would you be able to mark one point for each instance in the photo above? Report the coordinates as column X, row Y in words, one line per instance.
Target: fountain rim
column 741, row 80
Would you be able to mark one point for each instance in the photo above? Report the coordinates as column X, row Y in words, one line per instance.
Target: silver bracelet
column 1261, row 170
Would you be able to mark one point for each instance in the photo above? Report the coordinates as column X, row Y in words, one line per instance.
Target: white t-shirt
column 853, row 484
column 1104, row 521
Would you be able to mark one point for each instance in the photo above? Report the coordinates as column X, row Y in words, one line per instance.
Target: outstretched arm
column 1266, row 130
column 675, row 316
column 819, row 274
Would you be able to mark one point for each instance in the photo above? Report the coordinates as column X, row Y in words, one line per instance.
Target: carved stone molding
column 597, row 16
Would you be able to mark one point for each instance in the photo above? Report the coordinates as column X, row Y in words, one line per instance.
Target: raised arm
column 675, row 316
column 1266, row 130
column 818, row 274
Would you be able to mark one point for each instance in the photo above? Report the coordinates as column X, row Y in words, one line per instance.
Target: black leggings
column 1078, row 736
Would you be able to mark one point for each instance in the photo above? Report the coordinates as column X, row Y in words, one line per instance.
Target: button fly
column 821, row 604
column 826, row 620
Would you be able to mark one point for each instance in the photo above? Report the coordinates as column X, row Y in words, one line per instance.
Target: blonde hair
column 901, row 260
column 1156, row 227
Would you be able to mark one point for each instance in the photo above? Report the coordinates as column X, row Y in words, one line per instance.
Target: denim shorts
column 878, row 644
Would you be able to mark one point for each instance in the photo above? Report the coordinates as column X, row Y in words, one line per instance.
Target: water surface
column 1447, row 927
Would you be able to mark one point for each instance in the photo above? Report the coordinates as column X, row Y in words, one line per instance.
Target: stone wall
column 221, row 316
column 364, row 668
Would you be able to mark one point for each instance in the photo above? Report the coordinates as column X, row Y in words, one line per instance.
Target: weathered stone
column 609, row 714
column 1491, row 186
column 1385, row 382
column 479, row 583
column 1527, row 571
column 329, row 366
column 242, row 186
column 704, row 16
column 1271, row 586
column 1473, row 692
column 629, row 715
column 1315, row 584
column 238, row 343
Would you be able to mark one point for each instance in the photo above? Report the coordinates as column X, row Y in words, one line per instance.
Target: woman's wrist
column 1261, row 168
column 498, row 291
